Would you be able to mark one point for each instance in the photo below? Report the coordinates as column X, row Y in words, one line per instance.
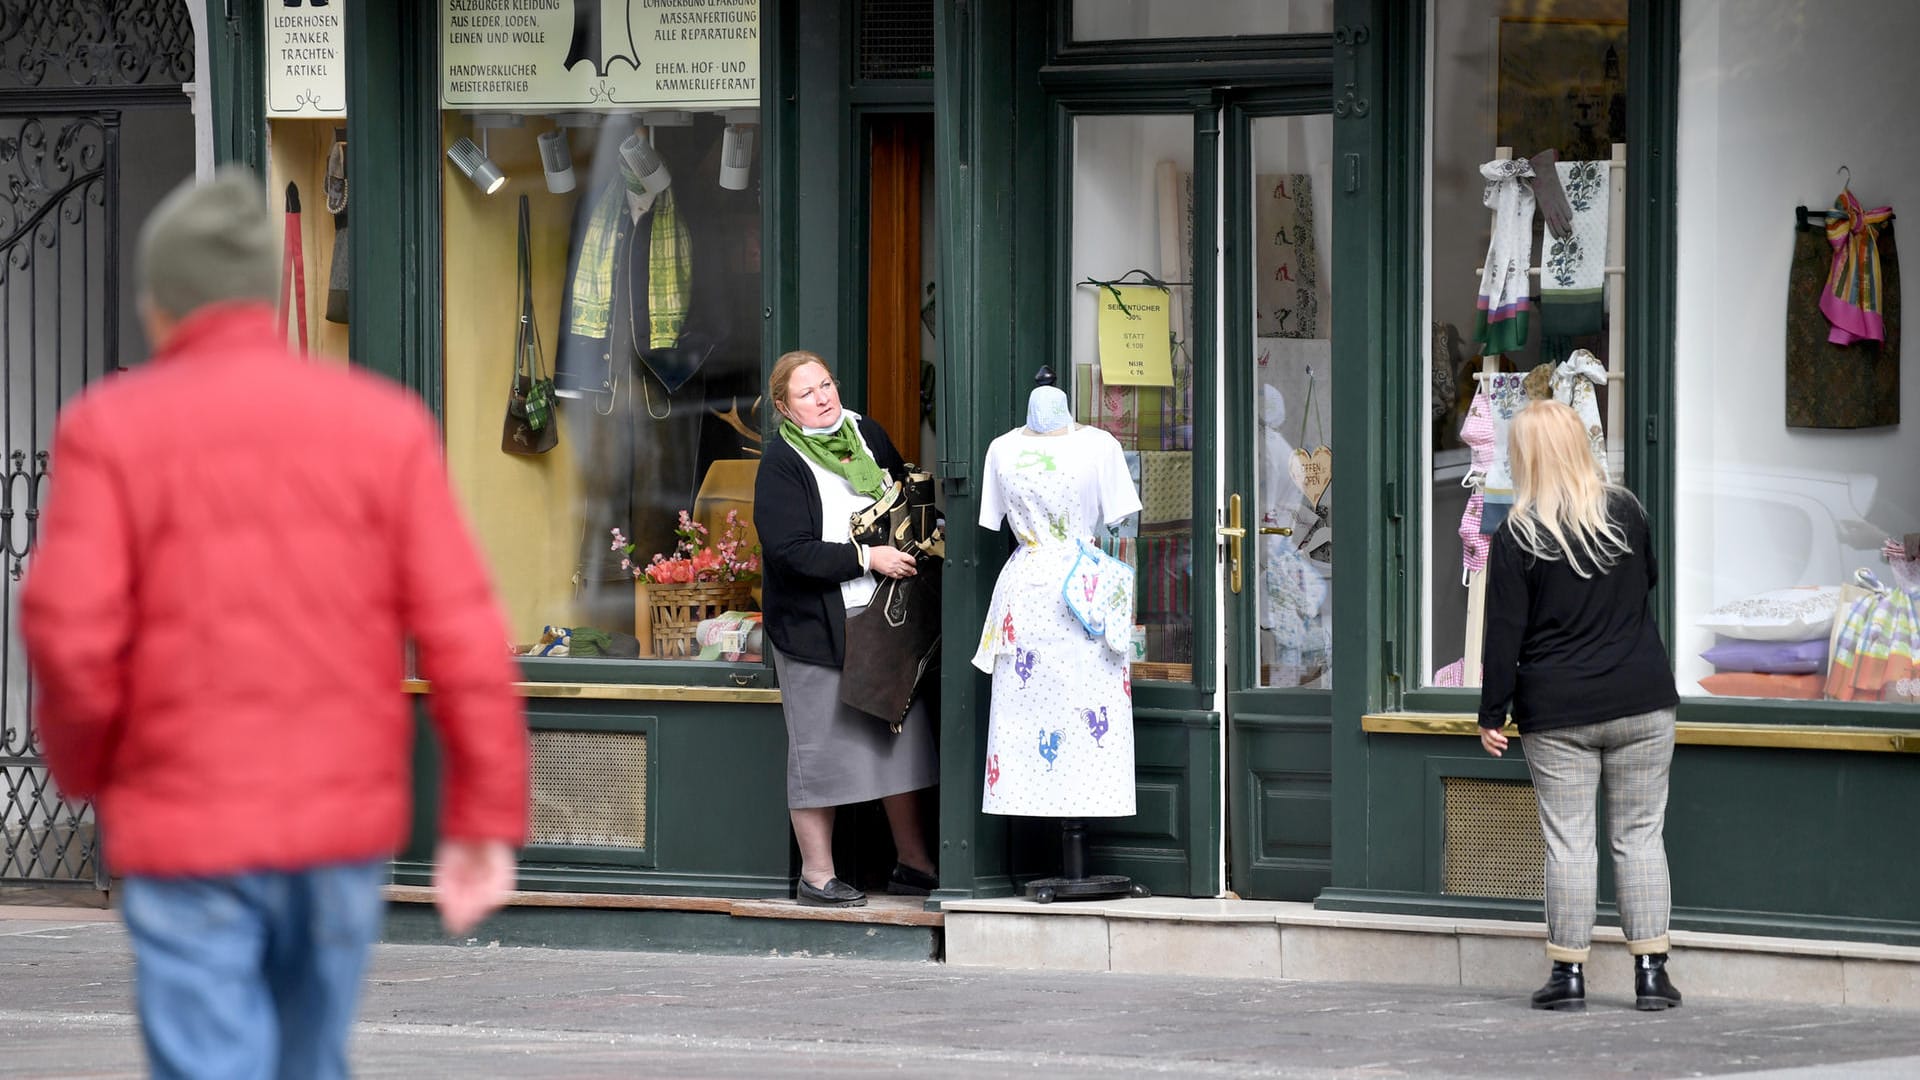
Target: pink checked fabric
column 1477, row 432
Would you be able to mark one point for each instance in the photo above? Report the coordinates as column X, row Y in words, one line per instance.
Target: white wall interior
column 1764, row 127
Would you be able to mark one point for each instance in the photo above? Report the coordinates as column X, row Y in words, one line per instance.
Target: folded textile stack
column 1773, row 644
column 730, row 635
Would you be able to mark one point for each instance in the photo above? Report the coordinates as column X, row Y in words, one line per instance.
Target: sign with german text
column 600, row 54
column 1136, row 345
column 306, row 59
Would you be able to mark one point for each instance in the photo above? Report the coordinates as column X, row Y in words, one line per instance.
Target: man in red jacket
column 237, row 545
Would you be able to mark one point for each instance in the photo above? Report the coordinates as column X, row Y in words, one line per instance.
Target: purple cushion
column 1769, row 657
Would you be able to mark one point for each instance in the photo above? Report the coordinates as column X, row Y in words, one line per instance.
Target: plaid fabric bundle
column 1166, row 578
column 669, row 274
column 669, row 266
column 1874, row 647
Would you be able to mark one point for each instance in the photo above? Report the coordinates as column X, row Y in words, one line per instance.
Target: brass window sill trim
column 628, row 691
column 1771, row 736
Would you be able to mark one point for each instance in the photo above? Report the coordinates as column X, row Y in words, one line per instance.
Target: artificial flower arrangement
column 697, row 557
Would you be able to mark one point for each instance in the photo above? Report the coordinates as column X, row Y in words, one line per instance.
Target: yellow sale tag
column 1136, row 348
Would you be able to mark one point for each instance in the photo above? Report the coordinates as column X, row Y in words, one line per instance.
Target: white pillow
column 1781, row 615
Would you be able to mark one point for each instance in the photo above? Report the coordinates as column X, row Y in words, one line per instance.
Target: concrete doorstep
column 1267, row 939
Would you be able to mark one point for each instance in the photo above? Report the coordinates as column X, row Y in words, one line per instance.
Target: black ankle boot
column 1566, row 988
column 1652, row 990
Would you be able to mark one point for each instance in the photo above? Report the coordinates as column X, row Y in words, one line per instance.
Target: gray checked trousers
column 1631, row 757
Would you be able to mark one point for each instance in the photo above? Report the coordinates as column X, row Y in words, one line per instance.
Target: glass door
column 1278, row 523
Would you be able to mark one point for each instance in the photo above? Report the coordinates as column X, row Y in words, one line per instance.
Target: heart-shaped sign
column 1312, row 473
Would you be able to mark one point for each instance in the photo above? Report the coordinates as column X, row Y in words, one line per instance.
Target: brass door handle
column 1235, row 533
column 1271, row 530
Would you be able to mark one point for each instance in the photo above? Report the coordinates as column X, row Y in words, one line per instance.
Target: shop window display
column 631, row 536
column 1132, row 239
column 1797, row 522
column 1526, row 269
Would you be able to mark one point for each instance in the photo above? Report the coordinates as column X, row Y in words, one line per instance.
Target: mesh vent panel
column 589, row 789
column 1493, row 842
column 896, row 39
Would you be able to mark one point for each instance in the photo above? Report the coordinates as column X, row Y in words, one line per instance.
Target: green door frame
column 1279, row 741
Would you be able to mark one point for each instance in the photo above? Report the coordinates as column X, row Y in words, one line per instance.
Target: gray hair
column 209, row 243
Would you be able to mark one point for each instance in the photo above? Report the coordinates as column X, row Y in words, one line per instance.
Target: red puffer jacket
column 237, row 544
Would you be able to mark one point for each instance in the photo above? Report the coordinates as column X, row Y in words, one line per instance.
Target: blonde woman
column 1572, row 649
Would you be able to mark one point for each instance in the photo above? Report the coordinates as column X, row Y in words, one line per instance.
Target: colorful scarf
column 669, row 265
column 840, row 452
column 1504, row 305
column 1852, row 301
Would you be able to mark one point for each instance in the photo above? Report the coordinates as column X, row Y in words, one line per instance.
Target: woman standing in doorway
column 1572, row 647
column 825, row 463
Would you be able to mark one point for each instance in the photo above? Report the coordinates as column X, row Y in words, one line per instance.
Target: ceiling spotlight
column 473, row 162
column 556, row 157
column 736, row 155
column 646, row 163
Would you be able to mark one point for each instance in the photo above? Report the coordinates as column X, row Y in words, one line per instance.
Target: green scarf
column 840, row 452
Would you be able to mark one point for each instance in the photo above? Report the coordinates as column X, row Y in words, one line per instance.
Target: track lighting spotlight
column 474, row 163
column 646, row 163
column 556, row 157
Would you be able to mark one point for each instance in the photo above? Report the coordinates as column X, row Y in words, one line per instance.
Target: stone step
column 1270, row 939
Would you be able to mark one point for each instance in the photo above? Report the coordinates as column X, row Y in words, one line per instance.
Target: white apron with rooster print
column 1060, row 736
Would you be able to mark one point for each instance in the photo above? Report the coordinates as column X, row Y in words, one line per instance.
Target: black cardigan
column 800, row 591
column 1563, row 650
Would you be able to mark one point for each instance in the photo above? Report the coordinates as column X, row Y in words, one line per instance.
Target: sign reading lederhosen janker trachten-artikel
column 306, row 59
column 605, row 54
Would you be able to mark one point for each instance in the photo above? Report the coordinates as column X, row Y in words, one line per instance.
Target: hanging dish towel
column 1506, row 396
column 1573, row 269
column 1500, row 324
column 1573, row 383
column 1852, row 302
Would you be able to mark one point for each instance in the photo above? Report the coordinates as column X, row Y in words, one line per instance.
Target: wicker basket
column 678, row 609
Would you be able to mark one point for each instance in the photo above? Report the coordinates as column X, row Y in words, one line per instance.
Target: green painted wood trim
column 1653, row 119
column 1377, row 61
column 236, row 53
column 983, row 116
column 1237, row 61
column 394, row 172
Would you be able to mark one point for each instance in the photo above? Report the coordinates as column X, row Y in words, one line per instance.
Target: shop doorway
column 902, row 259
column 110, row 95
column 1277, row 464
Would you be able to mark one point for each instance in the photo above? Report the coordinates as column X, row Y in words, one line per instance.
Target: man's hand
column 470, row 879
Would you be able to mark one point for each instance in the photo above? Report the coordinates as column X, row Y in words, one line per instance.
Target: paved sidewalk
column 65, row 992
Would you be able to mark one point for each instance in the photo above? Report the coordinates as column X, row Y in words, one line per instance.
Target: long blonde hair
column 1559, row 492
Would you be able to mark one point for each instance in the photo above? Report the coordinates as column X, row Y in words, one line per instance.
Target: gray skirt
column 838, row 755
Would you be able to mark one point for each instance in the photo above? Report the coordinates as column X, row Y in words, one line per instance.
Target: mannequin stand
column 1073, row 882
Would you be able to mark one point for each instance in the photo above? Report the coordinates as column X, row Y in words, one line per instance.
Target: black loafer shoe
column 906, row 881
column 835, row 893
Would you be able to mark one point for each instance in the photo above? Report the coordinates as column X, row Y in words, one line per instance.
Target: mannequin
column 1060, row 733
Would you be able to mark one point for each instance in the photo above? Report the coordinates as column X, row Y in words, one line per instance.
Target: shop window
column 1524, row 97
column 1798, row 511
column 1132, row 223
column 1134, row 20
column 1292, row 351
column 602, row 230
column 307, row 148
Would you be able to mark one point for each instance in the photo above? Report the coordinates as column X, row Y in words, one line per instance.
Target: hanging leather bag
column 531, row 425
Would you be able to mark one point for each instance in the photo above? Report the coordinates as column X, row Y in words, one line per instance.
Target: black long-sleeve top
column 801, row 575
column 1563, row 650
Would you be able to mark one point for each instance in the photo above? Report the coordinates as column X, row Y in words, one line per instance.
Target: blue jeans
column 252, row 975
